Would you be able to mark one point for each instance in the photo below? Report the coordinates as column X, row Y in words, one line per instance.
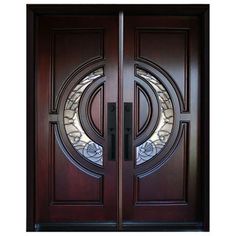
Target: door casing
column 202, row 11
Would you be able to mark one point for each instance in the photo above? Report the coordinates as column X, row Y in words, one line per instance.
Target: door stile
column 120, row 119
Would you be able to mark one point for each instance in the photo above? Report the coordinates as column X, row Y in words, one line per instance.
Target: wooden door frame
column 36, row 10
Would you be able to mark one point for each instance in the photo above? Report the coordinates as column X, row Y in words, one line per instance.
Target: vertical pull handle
column 127, row 131
column 111, row 126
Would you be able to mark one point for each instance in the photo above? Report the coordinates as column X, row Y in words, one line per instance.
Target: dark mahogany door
column 161, row 94
column 118, row 121
column 77, row 67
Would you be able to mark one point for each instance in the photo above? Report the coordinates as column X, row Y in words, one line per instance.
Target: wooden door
column 119, row 99
column 161, row 167
column 77, row 70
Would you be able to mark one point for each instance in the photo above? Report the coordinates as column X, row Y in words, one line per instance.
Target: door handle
column 111, row 126
column 127, row 131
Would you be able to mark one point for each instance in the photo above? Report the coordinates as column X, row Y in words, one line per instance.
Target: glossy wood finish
column 96, row 110
column 167, row 187
column 129, row 194
column 143, row 109
column 68, row 187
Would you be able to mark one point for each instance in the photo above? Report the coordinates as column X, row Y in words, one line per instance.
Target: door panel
column 76, row 79
column 68, row 52
column 160, row 180
column 172, row 56
column 170, row 188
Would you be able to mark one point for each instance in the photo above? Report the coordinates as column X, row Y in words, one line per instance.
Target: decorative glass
column 77, row 136
column 160, row 136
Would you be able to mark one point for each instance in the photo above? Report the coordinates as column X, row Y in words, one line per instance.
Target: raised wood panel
column 168, row 184
column 146, row 110
column 69, row 184
column 168, row 49
column 68, row 54
column 143, row 108
column 96, row 110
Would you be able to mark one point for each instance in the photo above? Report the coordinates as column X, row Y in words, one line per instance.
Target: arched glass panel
column 160, row 136
column 77, row 136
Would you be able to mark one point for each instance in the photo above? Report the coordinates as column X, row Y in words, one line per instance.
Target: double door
column 117, row 122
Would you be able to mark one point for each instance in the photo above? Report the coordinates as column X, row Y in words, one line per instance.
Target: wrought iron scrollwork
column 160, row 136
column 77, row 136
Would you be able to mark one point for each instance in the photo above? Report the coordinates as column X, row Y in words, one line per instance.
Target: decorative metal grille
column 160, row 136
column 78, row 138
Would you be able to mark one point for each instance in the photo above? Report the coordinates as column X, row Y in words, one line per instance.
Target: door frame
column 33, row 12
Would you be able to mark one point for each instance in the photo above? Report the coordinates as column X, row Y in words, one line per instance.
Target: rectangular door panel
column 68, row 52
column 168, row 188
column 85, row 187
column 169, row 49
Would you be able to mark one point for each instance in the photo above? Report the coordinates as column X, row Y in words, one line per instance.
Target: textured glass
column 78, row 138
column 160, row 136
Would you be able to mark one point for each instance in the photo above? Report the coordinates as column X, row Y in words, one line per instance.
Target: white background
column 13, row 115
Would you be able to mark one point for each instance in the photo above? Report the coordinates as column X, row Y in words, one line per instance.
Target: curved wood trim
column 175, row 130
column 139, row 89
column 77, row 157
column 84, row 108
column 76, row 162
column 183, row 134
column 184, row 99
column 100, row 129
column 163, row 76
column 100, row 178
column 83, row 69
column 154, row 163
column 91, row 135
column 154, row 116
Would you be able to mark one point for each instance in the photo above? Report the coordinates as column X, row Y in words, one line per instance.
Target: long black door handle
column 111, row 126
column 127, row 131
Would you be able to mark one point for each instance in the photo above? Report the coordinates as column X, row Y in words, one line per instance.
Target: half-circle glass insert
column 77, row 136
column 160, row 136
